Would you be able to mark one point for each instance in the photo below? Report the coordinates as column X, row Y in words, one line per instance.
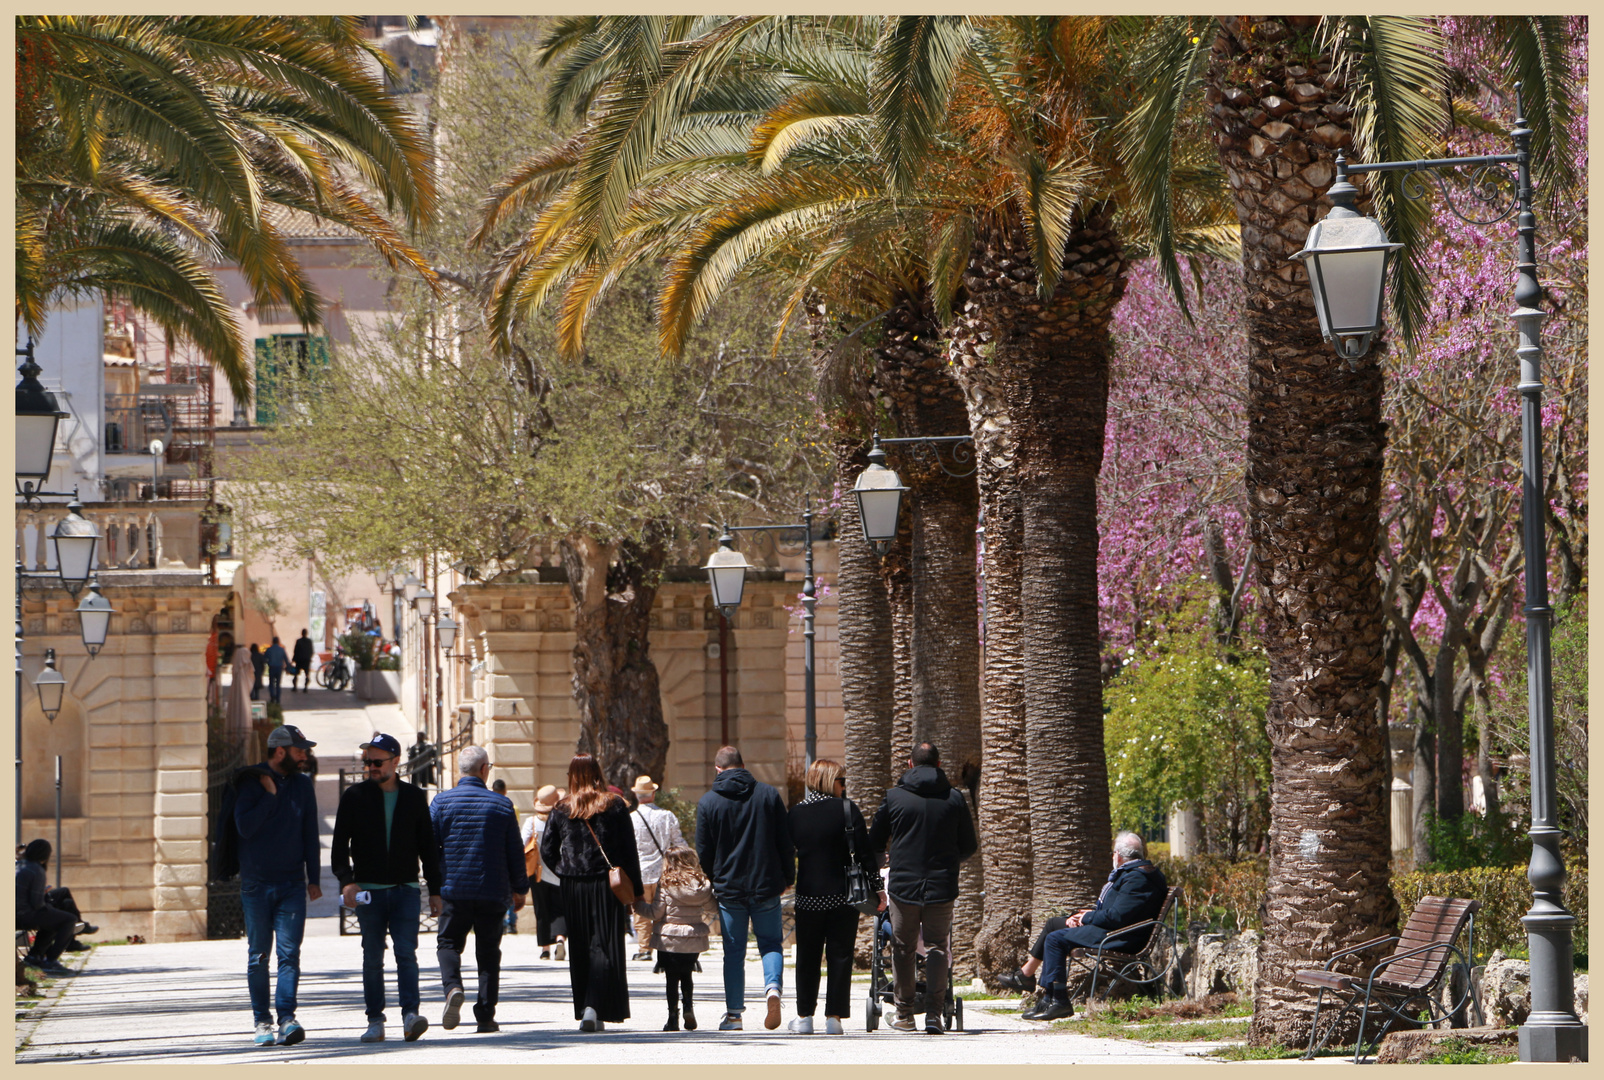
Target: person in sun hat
column 382, row 833
column 656, row 830
column 551, row 928
column 276, row 817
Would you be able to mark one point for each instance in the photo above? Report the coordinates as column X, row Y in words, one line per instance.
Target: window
column 285, row 358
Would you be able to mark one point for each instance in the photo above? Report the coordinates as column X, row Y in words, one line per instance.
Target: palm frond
column 916, row 61
column 1536, row 48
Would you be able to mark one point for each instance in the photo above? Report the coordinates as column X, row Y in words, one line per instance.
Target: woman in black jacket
column 589, row 832
column 824, row 921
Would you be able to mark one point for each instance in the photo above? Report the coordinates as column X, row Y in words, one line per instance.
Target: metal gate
column 225, row 918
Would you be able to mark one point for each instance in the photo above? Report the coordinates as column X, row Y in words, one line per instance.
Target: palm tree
column 151, row 147
column 1281, row 96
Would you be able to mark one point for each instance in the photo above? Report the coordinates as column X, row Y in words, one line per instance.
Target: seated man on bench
column 50, row 912
column 1135, row 893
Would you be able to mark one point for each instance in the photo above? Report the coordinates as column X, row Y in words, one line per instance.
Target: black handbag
column 861, row 892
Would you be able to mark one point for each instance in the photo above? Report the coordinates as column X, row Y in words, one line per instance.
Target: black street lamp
column 879, row 490
column 445, row 629
column 75, row 538
column 726, row 576
column 1552, row 1031
column 38, row 415
column 94, row 619
column 51, row 686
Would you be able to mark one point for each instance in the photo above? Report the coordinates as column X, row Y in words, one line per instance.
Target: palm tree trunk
column 1004, row 797
column 897, row 571
column 1315, row 444
column 615, row 681
column 944, row 638
column 864, row 634
column 1051, row 361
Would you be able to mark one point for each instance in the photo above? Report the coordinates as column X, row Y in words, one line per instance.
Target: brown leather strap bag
column 617, row 880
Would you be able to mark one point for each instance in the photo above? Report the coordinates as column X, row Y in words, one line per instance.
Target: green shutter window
column 303, row 354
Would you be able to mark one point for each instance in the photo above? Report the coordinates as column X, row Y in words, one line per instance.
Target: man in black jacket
column 1135, row 893
column 53, row 924
column 381, row 831
column 930, row 831
column 301, row 657
column 744, row 844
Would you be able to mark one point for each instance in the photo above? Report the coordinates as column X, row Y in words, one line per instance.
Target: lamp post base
column 1553, row 1041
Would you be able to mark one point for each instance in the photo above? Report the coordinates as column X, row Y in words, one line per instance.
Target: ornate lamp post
column 879, row 490
column 726, row 576
column 1345, row 260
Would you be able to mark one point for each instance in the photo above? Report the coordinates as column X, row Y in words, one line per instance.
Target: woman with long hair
column 588, row 833
column 826, row 925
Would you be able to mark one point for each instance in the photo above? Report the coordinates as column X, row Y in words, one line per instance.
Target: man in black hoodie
column 930, row 830
column 744, row 843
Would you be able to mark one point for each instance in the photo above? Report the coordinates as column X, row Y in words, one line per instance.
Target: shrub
column 360, row 648
column 387, row 663
column 1220, row 892
column 1184, row 723
column 1505, row 896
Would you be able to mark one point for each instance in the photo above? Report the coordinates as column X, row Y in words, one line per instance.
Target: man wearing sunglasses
column 381, row 832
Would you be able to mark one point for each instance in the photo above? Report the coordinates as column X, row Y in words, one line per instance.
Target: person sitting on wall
column 51, row 913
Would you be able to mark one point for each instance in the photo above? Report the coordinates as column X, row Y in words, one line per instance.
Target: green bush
column 1218, row 891
column 387, row 663
column 360, row 648
column 1505, row 896
column 1184, row 723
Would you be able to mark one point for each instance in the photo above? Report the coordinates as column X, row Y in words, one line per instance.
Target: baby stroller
column 881, row 984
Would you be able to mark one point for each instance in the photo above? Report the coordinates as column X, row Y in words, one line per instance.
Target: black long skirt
column 596, row 929
column 549, row 921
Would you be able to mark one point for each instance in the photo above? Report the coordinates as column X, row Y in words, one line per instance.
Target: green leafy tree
column 1184, row 724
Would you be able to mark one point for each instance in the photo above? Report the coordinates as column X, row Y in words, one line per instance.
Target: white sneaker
column 832, row 1026
column 802, row 1025
column 731, row 1022
column 264, row 1034
column 559, row 951
column 589, row 1022
column 772, row 1019
column 375, row 1031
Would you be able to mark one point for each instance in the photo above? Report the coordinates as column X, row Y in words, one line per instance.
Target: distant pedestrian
column 500, row 788
column 382, row 832
column 276, row 816
column 927, row 824
column 588, row 834
column 52, row 922
column 679, row 916
column 303, row 663
column 828, row 831
column 656, row 830
column 277, row 660
column 484, row 867
column 258, row 663
column 551, row 929
column 745, row 848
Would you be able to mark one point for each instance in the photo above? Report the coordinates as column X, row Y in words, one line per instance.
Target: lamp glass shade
column 726, row 574
column 1346, row 256
column 94, row 619
column 75, row 538
column 36, row 445
column 446, row 628
column 409, row 586
column 51, row 686
column 424, row 601
column 879, row 494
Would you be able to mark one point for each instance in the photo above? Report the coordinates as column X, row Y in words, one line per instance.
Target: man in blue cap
column 381, row 833
column 275, row 814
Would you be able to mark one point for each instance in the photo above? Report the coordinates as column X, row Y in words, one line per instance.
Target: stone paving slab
column 187, row 1003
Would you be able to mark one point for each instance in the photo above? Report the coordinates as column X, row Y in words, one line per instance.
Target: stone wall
column 522, row 634
column 132, row 736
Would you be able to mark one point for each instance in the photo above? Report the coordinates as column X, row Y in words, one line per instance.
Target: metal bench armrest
column 1361, row 947
column 1449, row 945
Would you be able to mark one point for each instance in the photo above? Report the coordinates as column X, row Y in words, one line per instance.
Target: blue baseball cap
column 381, row 741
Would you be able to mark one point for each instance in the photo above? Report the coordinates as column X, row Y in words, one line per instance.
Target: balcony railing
column 134, row 535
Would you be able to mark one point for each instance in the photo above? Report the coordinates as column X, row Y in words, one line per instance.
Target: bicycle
column 335, row 674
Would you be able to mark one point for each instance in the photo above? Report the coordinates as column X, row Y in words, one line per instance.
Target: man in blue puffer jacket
column 483, row 860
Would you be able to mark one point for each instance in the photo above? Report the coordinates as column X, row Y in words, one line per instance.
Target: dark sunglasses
column 374, row 763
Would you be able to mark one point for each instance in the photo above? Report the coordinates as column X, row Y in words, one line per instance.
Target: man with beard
column 275, row 814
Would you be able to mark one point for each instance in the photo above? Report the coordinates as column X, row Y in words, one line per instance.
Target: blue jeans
column 393, row 911
column 273, row 910
column 275, row 683
column 764, row 917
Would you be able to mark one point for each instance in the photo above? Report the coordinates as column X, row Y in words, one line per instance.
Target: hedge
column 1226, row 895
column 1505, row 896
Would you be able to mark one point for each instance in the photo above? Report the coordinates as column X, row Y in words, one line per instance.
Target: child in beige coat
column 681, row 913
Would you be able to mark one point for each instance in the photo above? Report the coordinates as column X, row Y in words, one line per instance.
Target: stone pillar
column 1186, row 836
column 1403, row 818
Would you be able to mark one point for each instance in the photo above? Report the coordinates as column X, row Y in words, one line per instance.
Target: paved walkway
column 187, row 1003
